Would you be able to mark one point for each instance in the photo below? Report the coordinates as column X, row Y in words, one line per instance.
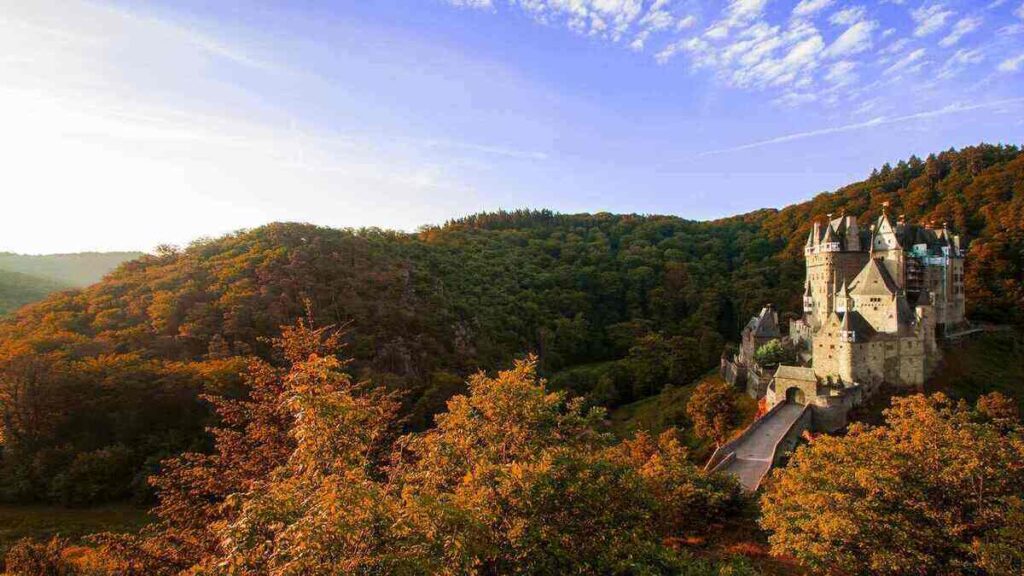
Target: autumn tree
column 712, row 410
column 514, row 479
column 688, row 500
column 325, row 508
column 933, row 491
column 998, row 406
column 255, row 438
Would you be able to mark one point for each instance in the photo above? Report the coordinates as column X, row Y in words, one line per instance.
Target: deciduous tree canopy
column 117, row 368
column 513, row 479
column 936, row 490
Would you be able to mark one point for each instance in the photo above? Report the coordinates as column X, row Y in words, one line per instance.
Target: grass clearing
column 668, row 409
column 987, row 362
column 43, row 522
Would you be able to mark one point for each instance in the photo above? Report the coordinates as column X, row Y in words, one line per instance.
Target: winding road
column 754, row 454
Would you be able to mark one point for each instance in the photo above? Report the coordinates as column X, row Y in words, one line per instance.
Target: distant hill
column 28, row 278
column 75, row 270
column 17, row 289
column 644, row 301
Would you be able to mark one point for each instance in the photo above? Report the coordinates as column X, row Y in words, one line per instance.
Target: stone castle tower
column 874, row 301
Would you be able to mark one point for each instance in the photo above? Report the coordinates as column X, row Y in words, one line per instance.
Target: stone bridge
column 752, row 454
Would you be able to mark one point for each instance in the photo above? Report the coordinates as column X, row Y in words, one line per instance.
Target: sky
column 125, row 125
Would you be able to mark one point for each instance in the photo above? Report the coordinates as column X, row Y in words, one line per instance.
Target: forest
column 104, row 388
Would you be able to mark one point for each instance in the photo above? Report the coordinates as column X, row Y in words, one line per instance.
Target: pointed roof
column 873, row 280
column 839, row 225
column 844, row 290
column 852, row 321
column 885, row 236
column 830, row 234
column 766, row 323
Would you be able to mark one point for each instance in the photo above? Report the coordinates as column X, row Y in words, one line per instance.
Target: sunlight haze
column 128, row 125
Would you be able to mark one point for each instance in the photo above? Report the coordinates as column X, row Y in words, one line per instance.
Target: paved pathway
column 754, row 454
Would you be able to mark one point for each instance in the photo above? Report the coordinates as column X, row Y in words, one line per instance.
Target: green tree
column 773, row 353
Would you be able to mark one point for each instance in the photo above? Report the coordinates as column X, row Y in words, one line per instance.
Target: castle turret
column 843, row 301
column 852, row 234
column 887, row 245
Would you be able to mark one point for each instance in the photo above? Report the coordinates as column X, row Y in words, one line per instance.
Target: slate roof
column 873, row 280
column 765, row 324
column 853, row 321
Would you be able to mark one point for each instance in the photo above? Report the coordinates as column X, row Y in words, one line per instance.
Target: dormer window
column 847, row 336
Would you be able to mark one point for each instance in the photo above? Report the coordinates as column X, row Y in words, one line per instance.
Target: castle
column 874, row 301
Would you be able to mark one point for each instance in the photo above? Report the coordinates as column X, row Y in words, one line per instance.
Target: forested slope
column 100, row 383
column 30, row 278
column 78, row 269
column 18, row 289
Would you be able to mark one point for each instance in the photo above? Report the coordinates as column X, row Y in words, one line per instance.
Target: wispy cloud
column 747, row 46
column 856, row 39
column 809, row 7
column 1013, row 64
column 872, row 123
column 848, row 16
column 963, row 27
column 907, row 63
column 930, row 19
column 632, row 21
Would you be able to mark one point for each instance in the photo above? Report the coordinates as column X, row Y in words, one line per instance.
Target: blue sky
column 129, row 124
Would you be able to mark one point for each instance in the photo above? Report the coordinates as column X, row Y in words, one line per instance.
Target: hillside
column 17, row 289
column 30, row 278
column 80, row 269
column 644, row 301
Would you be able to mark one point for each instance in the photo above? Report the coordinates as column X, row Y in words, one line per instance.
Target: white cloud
column 1012, row 64
column 963, row 27
column 685, row 22
column 842, row 73
column 811, row 7
column 794, row 99
column 739, row 13
column 872, row 123
column 1019, row 12
column 930, row 19
column 612, row 19
column 657, row 19
column 896, row 46
column 855, row 39
column 909, row 62
column 848, row 16
column 745, row 46
column 960, row 61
